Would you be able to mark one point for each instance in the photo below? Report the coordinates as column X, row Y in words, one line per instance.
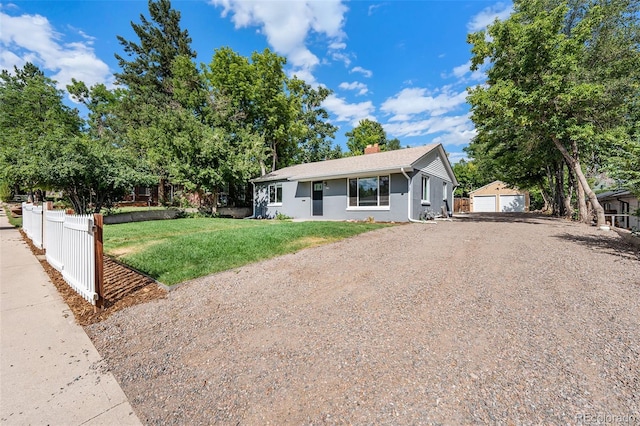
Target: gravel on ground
column 507, row 319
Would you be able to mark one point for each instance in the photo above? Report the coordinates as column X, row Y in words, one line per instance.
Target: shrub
column 5, row 192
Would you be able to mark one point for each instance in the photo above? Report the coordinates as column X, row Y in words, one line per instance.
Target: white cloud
column 286, row 25
column 346, row 112
column 366, row 73
column 337, row 45
column 455, row 157
column 305, row 75
column 31, row 38
column 415, row 100
column 464, row 74
column 456, row 130
column 461, row 70
column 336, row 56
column 361, row 88
column 373, row 8
column 488, row 15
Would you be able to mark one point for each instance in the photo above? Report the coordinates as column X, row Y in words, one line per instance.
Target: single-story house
column 498, row 197
column 619, row 208
column 390, row 186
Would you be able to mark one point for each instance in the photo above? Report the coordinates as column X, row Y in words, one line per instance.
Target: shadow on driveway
column 608, row 243
column 531, row 218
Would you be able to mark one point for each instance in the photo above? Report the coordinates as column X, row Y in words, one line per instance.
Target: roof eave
column 361, row 173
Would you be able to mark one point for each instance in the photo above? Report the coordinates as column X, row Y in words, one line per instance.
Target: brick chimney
column 372, row 149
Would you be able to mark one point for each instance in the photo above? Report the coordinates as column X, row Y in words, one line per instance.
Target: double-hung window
column 369, row 191
column 275, row 193
column 426, row 192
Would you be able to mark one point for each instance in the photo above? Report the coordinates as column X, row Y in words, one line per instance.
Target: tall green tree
column 469, row 178
column 547, row 89
column 34, row 122
column 369, row 132
column 148, row 74
column 99, row 167
column 314, row 133
column 259, row 98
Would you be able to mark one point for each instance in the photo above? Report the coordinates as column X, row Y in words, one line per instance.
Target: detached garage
column 497, row 197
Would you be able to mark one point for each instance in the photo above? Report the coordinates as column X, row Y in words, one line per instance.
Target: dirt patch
column 124, row 287
column 500, row 319
column 309, row 242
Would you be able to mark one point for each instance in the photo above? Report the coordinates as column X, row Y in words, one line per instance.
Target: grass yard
column 13, row 221
column 173, row 251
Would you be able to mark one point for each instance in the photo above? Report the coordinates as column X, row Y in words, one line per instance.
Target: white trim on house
column 426, row 184
column 377, row 206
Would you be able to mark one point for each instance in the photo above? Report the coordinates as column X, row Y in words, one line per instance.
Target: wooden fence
column 461, row 205
column 73, row 245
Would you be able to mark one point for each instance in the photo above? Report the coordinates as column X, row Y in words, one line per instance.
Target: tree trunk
column 162, row 193
column 558, row 205
column 545, row 198
column 275, row 157
column 577, row 169
column 585, row 215
column 568, row 207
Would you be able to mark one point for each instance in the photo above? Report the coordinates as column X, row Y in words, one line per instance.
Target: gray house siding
column 406, row 169
column 296, row 201
column 433, row 167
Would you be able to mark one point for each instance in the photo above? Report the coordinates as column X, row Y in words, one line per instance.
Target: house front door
column 317, row 198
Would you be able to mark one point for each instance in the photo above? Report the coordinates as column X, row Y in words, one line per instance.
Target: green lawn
column 173, row 251
column 14, row 221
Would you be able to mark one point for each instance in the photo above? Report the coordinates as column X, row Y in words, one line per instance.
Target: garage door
column 512, row 203
column 484, row 203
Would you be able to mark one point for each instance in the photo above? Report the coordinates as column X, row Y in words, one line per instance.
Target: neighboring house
column 498, row 197
column 391, row 186
column 619, row 208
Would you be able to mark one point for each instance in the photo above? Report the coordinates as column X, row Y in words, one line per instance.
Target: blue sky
column 404, row 64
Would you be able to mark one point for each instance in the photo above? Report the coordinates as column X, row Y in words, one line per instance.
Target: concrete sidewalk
column 50, row 372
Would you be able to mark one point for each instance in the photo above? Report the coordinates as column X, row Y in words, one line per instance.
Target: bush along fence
column 73, row 246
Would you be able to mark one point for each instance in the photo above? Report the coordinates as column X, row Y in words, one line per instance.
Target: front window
column 275, row 193
column 426, row 193
column 369, row 191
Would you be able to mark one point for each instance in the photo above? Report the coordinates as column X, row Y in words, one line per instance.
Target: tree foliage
column 369, row 132
column 469, row 178
column 34, row 122
column 257, row 96
column 561, row 77
column 204, row 128
column 45, row 144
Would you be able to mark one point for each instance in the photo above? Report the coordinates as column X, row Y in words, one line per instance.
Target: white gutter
column 409, row 195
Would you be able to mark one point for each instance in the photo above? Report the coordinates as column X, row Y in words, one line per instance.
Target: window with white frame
column 275, row 193
column 426, row 192
column 369, row 191
column 445, row 189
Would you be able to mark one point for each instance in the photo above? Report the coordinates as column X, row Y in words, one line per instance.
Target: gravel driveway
column 489, row 319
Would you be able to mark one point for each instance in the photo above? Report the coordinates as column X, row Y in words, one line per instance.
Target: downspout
column 409, row 195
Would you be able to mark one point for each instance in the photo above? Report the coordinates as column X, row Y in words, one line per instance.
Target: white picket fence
column 69, row 244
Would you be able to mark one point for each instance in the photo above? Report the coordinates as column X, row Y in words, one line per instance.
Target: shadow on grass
column 606, row 243
column 530, row 218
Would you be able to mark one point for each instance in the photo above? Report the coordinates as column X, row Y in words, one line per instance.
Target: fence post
column 99, row 260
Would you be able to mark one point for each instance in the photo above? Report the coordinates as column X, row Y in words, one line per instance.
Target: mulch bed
column 123, row 286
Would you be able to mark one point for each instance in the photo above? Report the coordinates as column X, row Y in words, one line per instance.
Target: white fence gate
column 71, row 246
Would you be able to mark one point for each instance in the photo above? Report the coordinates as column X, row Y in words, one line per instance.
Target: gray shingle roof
column 614, row 194
column 387, row 161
